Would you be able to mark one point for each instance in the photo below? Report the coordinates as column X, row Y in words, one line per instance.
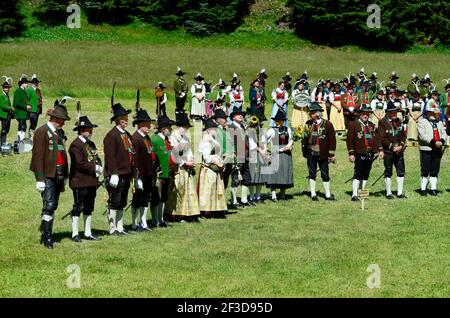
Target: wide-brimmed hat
column 219, row 113
column 141, row 117
column 179, row 72
column 315, row 106
column 280, row 115
column 237, row 111
column 118, row 111
column 287, row 77
column 447, row 86
column 391, row 107
column 35, row 80
column 161, row 85
column 394, row 77
column 415, row 93
column 164, row 121
column 23, row 79
column 59, row 111
column 84, row 122
column 254, row 81
column 373, row 77
column 210, row 123
column 435, row 92
column 365, row 108
column 432, row 107
column 7, row 82
column 262, row 74
column 199, row 77
column 182, row 120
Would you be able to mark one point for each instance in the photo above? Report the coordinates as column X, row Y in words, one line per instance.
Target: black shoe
column 76, row 238
column 433, row 193
column 123, row 233
column 146, row 229
column 330, row 198
column 136, row 229
column 91, row 238
column 402, row 196
column 390, row 197
column 47, row 242
column 315, row 198
column 245, row 204
column 423, row 193
column 355, row 198
column 163, row 224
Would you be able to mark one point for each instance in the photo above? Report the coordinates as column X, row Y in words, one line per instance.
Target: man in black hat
column 223, row 137
column 393, row 138
column 287, row 82
column 35, row 99
column 161, row 99
column 119, row 162
column 85, row 168
column 21, row 106
column 163, row 150
column 50, row 167
column 6, row 111
column 180, row 87
column 240, row 174
column 362, row 144
column 144, row 173
column 319, row 146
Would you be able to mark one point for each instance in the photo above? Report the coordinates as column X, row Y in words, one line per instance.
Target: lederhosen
column 84, row 197
column 363, row 162
column 430, row 161
column 241, row 167
column 394, row 159
column 313, row 154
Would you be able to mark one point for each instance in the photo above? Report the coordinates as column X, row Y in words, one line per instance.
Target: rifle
column 138, row 100
column 403, row 151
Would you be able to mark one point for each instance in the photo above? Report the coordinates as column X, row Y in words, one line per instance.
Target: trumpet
column 253, row 121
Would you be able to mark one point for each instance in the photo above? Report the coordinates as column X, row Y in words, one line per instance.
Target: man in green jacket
column 21, row 106
column 35, row 99
column 6, row 111
column 180, row 87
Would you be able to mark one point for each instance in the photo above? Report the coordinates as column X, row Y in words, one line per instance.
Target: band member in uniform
column 362, row 144
column 378, row 106
column 256, row 95
column 223, row 136
column 6, row 111
column 35, row 99
column 211, row 190
column 85, row 168
column 198, row 92
column 180, row 88
column 349, row 105
column 301, row 100
column 163, row 151
column 161, row 99
column 280, row 98
column 432, row 142
column 186, row 193
column 21, row 106
column 319, row 146
column 280, row 173
column 257, row 159
column 393, row 138
column 144, row 172
column 287, row 82
column 119, row 161
column 415, row 109
column 50, row 167
column 240, row 174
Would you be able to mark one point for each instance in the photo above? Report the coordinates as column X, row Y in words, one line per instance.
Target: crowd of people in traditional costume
column 158, row 161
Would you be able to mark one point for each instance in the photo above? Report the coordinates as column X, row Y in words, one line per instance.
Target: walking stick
column 351, row 178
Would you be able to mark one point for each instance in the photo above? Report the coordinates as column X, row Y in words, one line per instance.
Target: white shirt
column 206, row 147
column 120, row 129
column 195, row 86
column 283, row 100
column 52, row 128
column 176, row 139
column 82, row 139
column 141, row 133
column 268, row 139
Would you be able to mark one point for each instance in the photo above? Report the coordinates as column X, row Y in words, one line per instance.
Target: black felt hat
column 164, row 121
column 280, row 115
column 118, row 111
column 182, row 120
column 141, row 117
column 84, row 122
column 219, row 113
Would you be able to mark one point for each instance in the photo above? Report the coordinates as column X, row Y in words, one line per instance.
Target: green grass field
column 294, row 248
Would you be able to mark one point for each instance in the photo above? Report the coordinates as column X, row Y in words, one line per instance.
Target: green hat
column 315, row 106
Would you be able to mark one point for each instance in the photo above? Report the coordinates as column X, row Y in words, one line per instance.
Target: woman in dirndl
column 415, row 109
column 257, row 161
column 336, row 113
column 198, row 93
column 280, row 97
column 378, row 106
column 301, row 100
column 280, row 174
column 211, row 189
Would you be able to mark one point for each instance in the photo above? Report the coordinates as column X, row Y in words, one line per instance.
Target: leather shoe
column 330, row 198
column 389, row 197
column 355, row 198
column 402, row 196
column 433, row 193
column 91, row 238
column 163, row 224
column 76, row 238
column 315, row 198
column 423, row 193
column 47, row 242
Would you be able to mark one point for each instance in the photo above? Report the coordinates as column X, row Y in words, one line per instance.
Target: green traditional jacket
column 180, row 86
column 443, row 100
column 163, row 154
column 5, row 105
column 20, row 104
column 33, row 99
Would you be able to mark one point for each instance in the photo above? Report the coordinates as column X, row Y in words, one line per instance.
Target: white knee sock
column 388, row 183
column 312, row 187
column 326, row 187
column 134, row 216
column 112, row 219
column 120, row 220
column 75, row 221
column 144, row 217
column 87, row 225
column 274, row 194
column 355, row 188
column 423, row 183
column 364, row 183
column 234, row 195
column 161, row 208
column 433, row 183
column 400, row 181
column 244, row 194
